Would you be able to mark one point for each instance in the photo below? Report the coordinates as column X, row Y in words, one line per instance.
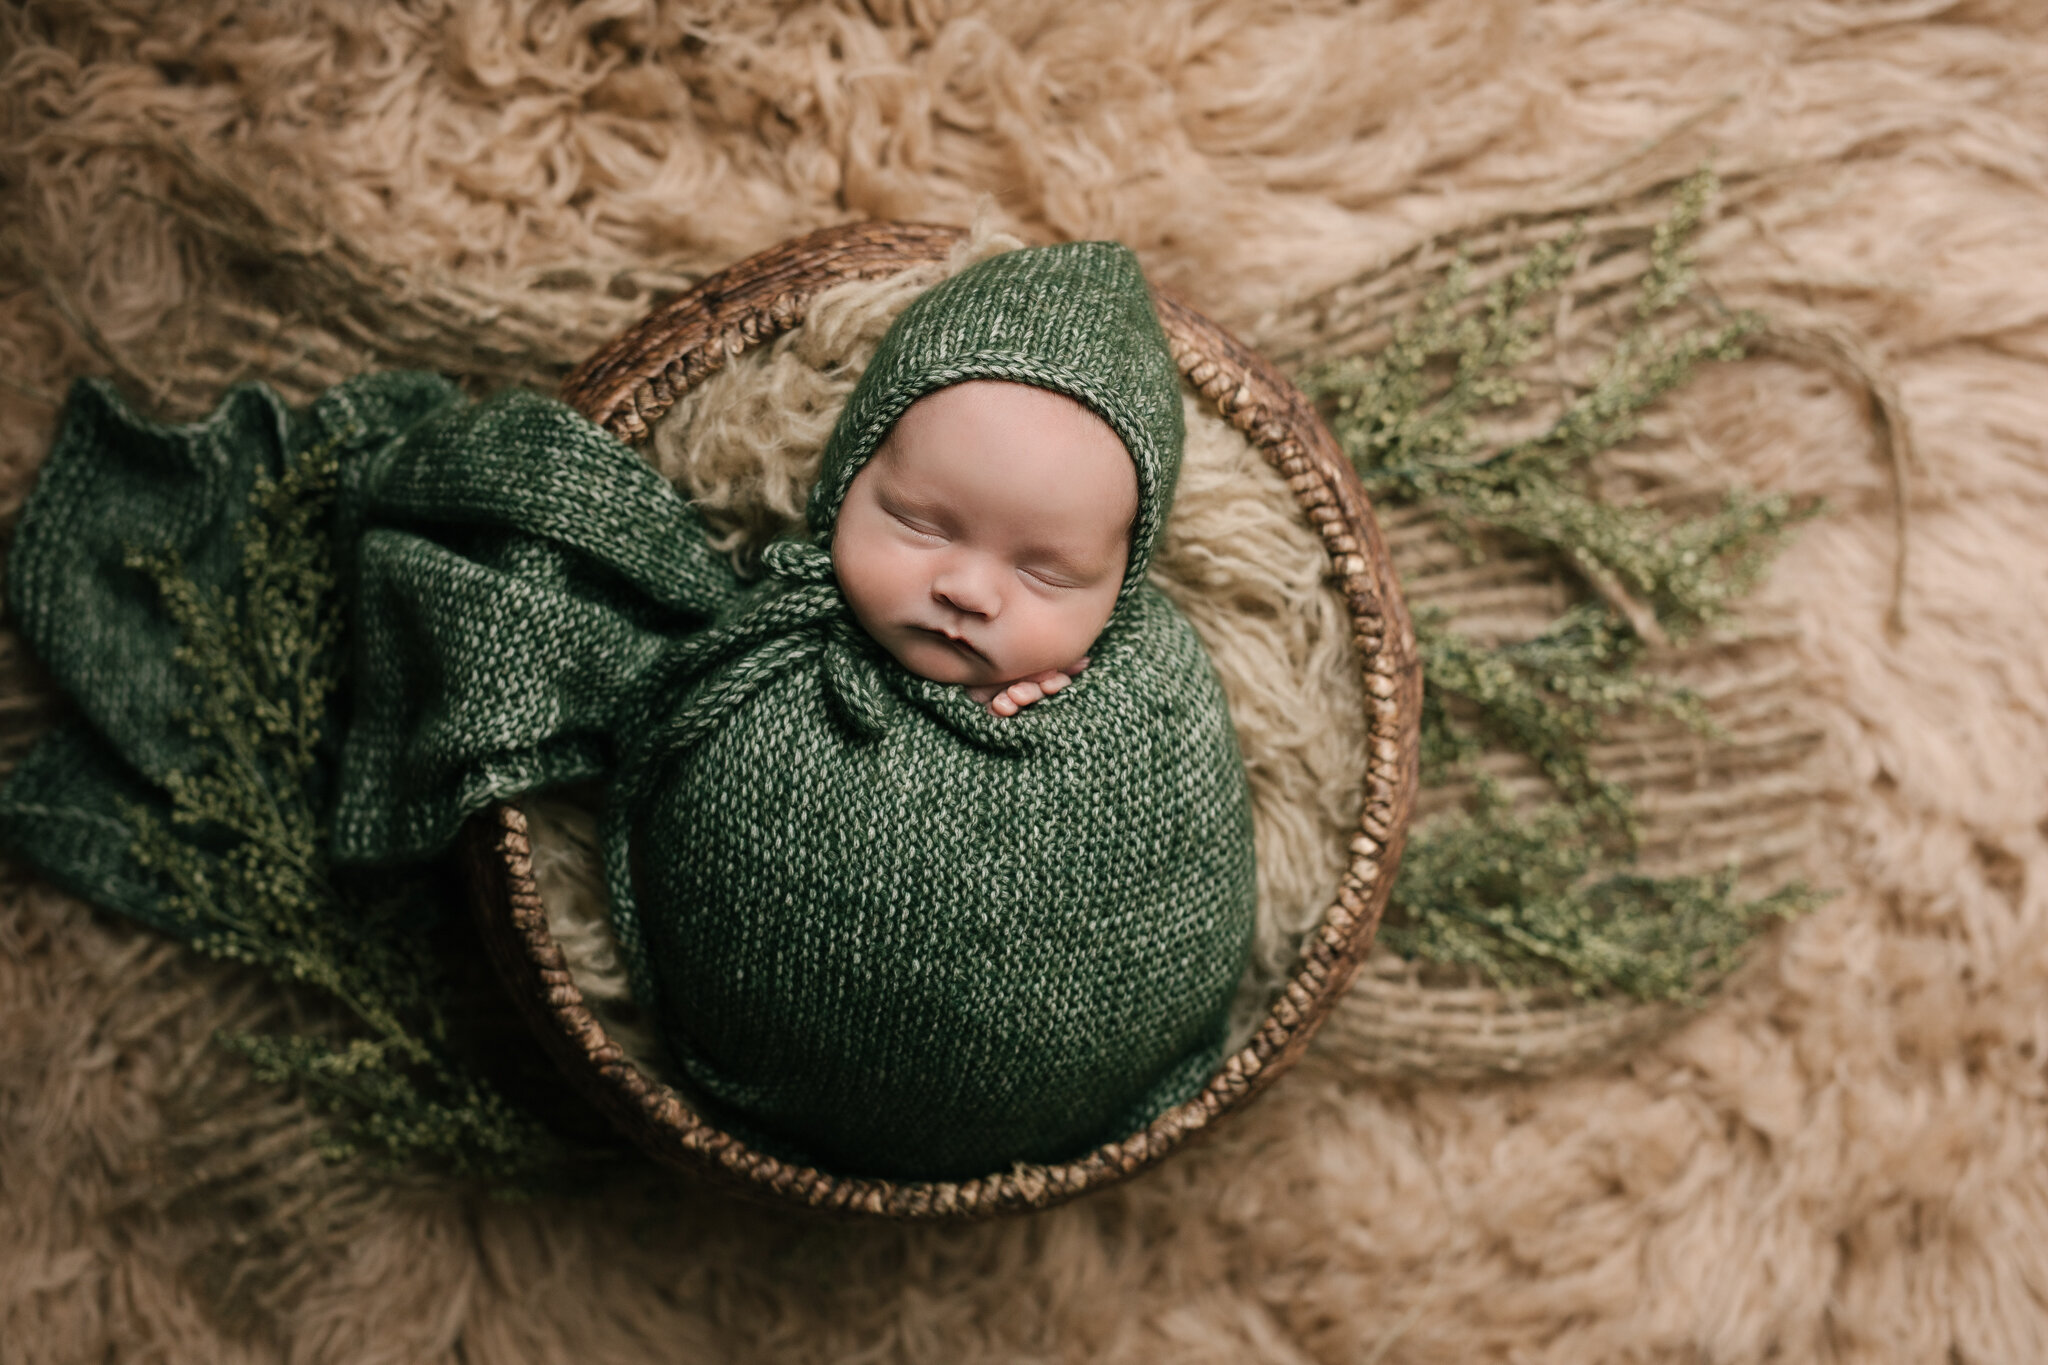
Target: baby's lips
column 956, row 640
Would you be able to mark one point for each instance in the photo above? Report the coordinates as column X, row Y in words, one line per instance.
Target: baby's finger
column 1026, row 692
column 1053, row 682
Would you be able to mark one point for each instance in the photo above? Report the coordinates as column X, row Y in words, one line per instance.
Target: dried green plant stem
column 241, row 857
column 1546, row 698
column 1442, row 418
column 1524, row 898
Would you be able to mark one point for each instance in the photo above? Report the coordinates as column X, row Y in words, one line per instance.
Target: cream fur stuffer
column 1841, row 1159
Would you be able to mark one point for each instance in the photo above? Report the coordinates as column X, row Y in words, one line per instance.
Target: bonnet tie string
column 797, row 614
column 853, row 682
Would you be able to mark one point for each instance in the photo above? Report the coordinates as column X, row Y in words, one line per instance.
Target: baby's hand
column 1014, row 697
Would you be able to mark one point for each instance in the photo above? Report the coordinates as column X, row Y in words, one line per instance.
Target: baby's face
column 986, row 539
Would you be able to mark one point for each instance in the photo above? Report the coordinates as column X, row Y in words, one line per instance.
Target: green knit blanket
column 877, row 927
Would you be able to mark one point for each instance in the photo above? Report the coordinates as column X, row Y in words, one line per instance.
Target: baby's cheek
column 1061, row 634
column 873, row 579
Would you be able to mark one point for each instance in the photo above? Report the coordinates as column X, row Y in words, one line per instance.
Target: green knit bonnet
column 1075, row 319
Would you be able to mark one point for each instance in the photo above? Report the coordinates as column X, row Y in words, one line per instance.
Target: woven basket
column 633, row 382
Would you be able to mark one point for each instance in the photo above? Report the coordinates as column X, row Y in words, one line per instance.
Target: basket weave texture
column 625, row 389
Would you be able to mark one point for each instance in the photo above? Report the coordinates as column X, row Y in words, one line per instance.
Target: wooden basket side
column 629, row 384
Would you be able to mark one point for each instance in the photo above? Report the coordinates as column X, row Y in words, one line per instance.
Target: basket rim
column 625, row 388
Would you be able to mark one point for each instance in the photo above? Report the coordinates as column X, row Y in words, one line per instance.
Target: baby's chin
column 933, row 656
column 930, row 655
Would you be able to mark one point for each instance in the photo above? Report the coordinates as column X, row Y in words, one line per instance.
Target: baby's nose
column 968, row 588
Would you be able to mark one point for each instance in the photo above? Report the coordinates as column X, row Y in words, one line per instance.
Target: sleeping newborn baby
column 937, row 901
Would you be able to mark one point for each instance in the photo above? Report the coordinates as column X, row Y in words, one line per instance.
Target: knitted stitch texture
column 878, row 928
column 521, row 580
column 894, row 934
column 116, row 482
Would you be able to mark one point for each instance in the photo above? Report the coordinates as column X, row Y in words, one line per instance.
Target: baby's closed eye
column 919, row 527
column 1048, row 578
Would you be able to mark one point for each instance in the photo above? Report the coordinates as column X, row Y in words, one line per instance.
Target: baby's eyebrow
column 909, row 500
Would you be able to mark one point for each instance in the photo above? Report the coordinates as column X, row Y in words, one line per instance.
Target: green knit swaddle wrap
column 116, row 483
column 897, row 935
column 877, row 927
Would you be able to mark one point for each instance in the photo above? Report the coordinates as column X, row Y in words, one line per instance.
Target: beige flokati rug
column 1842, row 1159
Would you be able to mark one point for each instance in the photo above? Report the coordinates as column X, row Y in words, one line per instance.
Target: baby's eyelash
column 916, row 527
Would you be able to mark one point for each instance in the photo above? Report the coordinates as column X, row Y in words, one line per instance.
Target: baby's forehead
column 1002, row 400
column 1000, row 452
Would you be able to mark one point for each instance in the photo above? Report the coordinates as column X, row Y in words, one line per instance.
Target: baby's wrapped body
column 913, row 938
column 877, row 926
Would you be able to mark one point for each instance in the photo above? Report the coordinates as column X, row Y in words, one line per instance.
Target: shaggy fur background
column 1842, row 1159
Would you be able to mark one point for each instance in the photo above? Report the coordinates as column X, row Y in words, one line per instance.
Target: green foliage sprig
column 1548, row 697
column 1527, row 900
column 1545, row 896
column 243, row 858
column 1411, row 418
